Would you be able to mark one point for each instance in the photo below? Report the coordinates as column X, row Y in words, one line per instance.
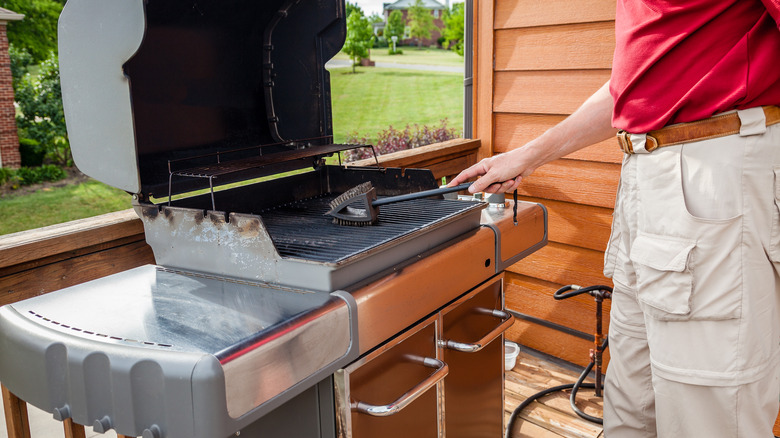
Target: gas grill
column 215, row 116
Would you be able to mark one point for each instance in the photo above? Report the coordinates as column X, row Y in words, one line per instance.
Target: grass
column 60, row 204
column 372, row 99
column 414, row 55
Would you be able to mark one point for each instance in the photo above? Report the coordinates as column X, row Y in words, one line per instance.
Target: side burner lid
column 148, row 81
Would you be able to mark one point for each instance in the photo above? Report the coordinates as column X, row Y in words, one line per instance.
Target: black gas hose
column 600, row 293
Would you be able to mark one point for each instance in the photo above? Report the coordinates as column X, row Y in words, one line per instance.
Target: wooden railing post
column 73, row 430
column 16, row 420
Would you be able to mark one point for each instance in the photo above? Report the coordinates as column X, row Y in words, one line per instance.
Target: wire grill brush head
column 354, row 208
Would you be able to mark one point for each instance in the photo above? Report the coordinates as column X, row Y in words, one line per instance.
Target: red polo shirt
column 684, row 60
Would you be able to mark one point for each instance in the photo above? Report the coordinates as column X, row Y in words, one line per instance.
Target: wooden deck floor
column 551, row 416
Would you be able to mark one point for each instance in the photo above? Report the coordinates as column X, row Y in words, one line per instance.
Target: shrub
column 397, row 51
column 21, row 60
column 41, row 117
column 25, row 176
column 31, row 151
column 394, row 140
column 5, row 175
column 28, row 176
column 50, row 172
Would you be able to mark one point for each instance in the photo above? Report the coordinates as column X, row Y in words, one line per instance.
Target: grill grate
column 302, row 230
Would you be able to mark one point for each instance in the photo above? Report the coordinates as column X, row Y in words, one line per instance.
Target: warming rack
column 222, row 168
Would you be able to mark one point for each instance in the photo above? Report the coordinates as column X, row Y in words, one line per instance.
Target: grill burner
column 302, row 230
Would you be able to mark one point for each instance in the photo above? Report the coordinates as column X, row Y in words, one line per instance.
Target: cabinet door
column 392, row 392
column 473, row 348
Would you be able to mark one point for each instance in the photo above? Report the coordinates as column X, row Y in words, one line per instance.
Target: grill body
column 257, row 297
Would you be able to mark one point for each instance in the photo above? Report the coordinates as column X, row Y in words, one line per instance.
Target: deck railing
column 47, row 259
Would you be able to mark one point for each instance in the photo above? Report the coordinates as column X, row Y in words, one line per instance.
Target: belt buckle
column 624, row 141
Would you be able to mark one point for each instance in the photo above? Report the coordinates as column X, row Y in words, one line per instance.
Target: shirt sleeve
column 773, row 7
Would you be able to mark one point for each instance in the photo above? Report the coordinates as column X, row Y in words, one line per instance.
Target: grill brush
column 358, row 206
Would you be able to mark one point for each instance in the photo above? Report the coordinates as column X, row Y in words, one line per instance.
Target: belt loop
column 624, row 141
column 636, row 143
column 752, row 121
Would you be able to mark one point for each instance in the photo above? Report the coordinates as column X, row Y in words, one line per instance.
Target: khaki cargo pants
column 695, row 259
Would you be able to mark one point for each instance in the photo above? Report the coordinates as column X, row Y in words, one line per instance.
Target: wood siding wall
column 538, row 61
column 535, row 63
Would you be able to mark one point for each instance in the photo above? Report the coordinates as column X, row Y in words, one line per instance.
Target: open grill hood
column 166, row 97
column 148, row 81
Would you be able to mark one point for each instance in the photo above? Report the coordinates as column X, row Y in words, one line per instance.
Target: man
column 695, row 247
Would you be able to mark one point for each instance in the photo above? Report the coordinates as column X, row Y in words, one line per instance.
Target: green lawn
column 414, row 55
column 374, row 98
column 59, row 204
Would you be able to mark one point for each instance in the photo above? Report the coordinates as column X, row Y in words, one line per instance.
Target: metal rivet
column 62, row 414
column 103, row 425
column 152, row 432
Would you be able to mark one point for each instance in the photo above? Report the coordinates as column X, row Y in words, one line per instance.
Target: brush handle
column 420, row 195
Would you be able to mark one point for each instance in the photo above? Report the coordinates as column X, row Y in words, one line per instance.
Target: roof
column 406, row 4
column 9, row 15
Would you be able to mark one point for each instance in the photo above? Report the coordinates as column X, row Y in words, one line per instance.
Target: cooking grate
column 302, row 230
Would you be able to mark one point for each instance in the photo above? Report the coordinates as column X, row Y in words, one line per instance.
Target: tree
column 38, row 31
column 41, row 117
column 360, row 37
column 395, row 24
column 420, row 21
column 21, row 60
column 454, row 22
column 350, row 7
column 376, row 18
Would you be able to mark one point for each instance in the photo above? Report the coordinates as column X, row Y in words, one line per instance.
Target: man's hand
column 499, row 174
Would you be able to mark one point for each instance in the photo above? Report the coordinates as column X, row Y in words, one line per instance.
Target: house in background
column 437, row 10
column 9, row 140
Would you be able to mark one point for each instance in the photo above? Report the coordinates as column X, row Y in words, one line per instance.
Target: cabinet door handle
column 506, row 321
column 409, row 396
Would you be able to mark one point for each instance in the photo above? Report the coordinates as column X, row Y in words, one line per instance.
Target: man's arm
column 591, row 123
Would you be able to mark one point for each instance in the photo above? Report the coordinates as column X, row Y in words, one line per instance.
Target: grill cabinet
column 256, row 298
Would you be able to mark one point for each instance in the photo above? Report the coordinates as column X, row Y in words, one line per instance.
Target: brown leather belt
column 713, row 127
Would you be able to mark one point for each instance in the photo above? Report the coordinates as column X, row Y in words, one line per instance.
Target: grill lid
column 148, row 81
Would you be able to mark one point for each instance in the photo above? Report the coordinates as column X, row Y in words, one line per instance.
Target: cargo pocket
column 664, row 280
column 774, row 241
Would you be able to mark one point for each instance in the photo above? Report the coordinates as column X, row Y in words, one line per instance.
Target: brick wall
column 9, row 141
